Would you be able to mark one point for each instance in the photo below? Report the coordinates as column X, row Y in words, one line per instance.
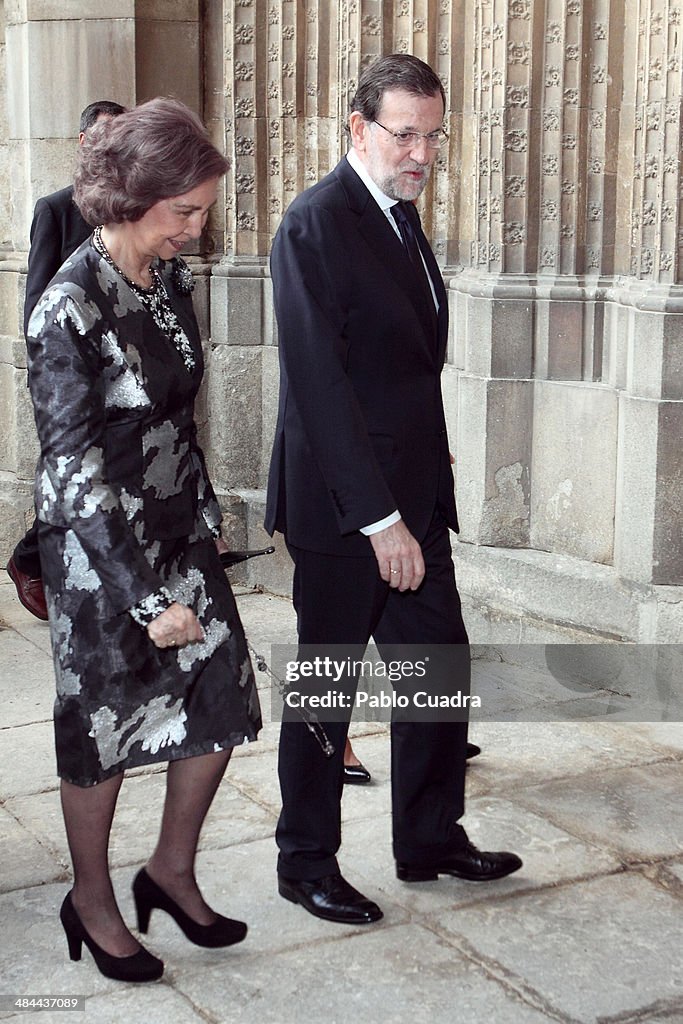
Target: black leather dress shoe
column 331, row 898
column 356, row 775
column 29, row 590
column 472, row 751
column 466, row 862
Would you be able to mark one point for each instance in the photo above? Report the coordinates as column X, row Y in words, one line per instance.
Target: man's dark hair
column 395, row 71
column 94, row 110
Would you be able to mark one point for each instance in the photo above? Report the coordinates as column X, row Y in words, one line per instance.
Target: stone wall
column 554, row 212
column 567, row 314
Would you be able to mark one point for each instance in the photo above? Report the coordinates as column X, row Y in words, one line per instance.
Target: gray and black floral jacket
column 114, row 407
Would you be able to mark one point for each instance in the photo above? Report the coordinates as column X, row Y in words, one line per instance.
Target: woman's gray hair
column 154, row 151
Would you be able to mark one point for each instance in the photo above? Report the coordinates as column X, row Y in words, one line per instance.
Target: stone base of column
column 510, row 595
column 243, row 528
column 515, row 596
column 16, row 512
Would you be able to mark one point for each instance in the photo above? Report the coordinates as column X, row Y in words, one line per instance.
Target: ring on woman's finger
column 395, row 572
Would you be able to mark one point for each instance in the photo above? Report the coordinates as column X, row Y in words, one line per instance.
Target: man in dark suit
column 361, row 482
column 57, row 230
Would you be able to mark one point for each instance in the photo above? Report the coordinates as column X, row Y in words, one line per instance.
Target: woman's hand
column 175, row 627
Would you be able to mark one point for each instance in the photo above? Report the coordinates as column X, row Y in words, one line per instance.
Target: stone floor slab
column 570, row 938
column 33, row 954
column 27, row 681
column 550, row 855
column 675, row 1017
column 522, row 753
column 241, row 882
column 266, row 617
column 34, row 957
column 154, row 1004
column 677, row 871
column 233, row 818
column 383, row 976
column 672, row 1016
column 662, row 734
column 637, row 812
column 28, row 761
column 23, row 860
column 22, row 622
column 527, row 692
column 527, row 681
column 596, row 949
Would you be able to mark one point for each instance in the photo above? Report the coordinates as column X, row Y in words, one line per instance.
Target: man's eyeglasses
column 408, row 140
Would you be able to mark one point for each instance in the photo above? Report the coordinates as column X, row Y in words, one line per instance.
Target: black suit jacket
column 57, row 230
column 361, row 428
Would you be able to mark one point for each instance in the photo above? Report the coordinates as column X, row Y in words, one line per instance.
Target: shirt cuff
column 151, row 607
column 381, row 525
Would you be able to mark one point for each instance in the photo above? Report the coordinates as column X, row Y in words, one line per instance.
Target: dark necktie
column 404, row 221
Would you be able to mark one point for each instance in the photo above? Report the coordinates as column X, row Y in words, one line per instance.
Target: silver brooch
column 181, row 276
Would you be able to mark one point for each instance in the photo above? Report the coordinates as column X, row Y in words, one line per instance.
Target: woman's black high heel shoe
column 141, row 966
column 148, row 895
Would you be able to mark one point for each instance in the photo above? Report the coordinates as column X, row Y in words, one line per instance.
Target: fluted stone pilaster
column 657, row 144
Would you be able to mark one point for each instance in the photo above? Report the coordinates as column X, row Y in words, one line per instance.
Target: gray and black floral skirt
column 121, row 701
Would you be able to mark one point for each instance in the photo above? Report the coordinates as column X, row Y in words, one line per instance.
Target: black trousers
column 345, row 601
column 26, row 553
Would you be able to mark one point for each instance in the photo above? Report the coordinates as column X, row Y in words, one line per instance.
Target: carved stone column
column 282, row 133
column 492, row 315
column 647, row 315
column 567, row 312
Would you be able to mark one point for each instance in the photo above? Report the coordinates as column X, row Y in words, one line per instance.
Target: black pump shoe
column 148, row 895
column 356, row 775
column 141, row 966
